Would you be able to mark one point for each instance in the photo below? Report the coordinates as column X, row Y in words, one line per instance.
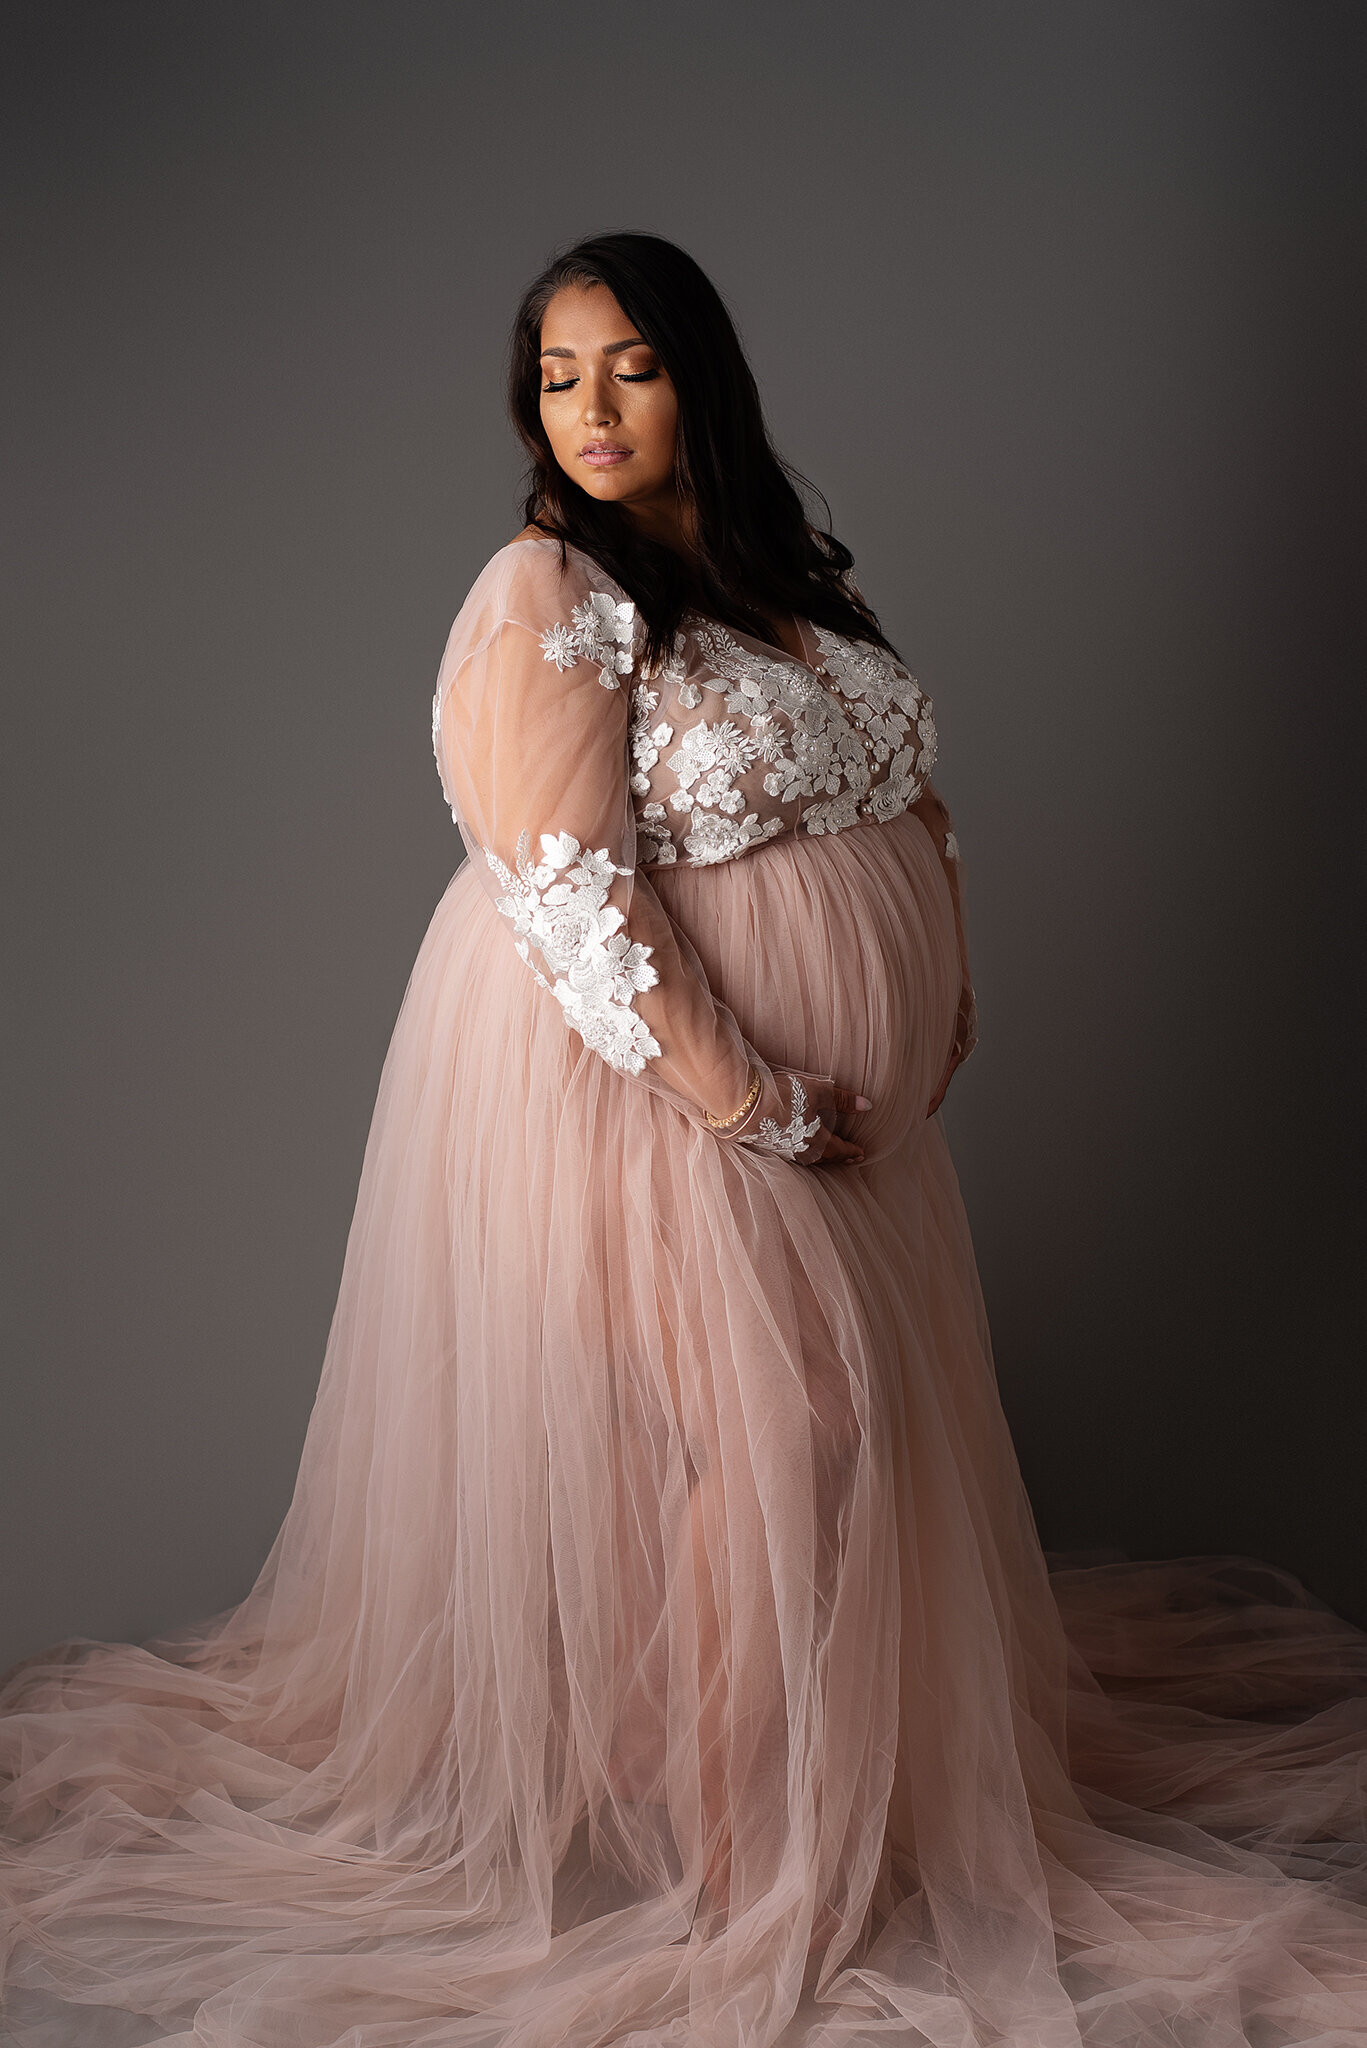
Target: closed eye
column 623, row 376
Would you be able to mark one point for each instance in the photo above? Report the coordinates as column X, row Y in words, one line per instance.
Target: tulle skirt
column 658, row 1646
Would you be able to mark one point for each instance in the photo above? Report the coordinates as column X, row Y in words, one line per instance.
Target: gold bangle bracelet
column 719, row 1123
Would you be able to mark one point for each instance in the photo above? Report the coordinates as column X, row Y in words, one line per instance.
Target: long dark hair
column 756, row 547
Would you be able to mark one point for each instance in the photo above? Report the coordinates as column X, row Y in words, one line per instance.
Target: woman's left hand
column 965, row 1038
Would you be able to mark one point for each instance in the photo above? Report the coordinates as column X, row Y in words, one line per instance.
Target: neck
column 664, row 519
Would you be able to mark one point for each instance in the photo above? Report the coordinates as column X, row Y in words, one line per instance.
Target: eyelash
column 625, row 376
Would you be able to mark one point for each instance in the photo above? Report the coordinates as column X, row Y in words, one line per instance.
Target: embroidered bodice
column 572, row 775
column 733, row 743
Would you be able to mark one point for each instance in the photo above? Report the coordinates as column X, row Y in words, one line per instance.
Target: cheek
column 661, row 426
column 559, row 431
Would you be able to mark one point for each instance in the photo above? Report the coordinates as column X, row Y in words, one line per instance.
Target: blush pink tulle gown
column 658, row 1648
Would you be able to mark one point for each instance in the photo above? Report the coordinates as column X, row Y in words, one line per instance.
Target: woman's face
column 607, row 403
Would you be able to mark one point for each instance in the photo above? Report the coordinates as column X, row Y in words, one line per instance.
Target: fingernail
column 862, row 1102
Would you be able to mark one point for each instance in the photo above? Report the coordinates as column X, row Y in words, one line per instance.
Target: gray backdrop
column 1062, row 306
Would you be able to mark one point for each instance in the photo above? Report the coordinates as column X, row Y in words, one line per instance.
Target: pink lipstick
column 603, row 454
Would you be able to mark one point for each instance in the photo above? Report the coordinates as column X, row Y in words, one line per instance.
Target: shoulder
column 533, row 573
column 577, row 612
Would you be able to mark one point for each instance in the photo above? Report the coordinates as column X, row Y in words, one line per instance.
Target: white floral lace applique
column 600, row 631
column 598, row 970
column 894, row 713
column 713, row 838
column 645, row 744
column 788, row 1139
column 851, row 740
column 705, row 765
column 655, row 838
column 874, row 713
column 711, row 757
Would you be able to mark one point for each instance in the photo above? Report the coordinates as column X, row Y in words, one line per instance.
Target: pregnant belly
column 836, row 954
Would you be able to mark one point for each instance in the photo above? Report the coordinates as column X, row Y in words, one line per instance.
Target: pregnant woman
column 658, row 1647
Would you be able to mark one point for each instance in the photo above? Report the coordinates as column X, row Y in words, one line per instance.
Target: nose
column 599, row 410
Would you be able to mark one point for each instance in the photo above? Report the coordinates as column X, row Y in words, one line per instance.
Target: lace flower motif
column 850, row 740
column 645, row 744
column 600, row 631
column 711, row 756
column 787, row 1139
column 598, row 971
column 654, row 838
column 558, row 645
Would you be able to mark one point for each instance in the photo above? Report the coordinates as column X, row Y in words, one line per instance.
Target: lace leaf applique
column 598, row 970
column 715, row 838
column 600, row 631
column 787, row 1139
column 837, row 814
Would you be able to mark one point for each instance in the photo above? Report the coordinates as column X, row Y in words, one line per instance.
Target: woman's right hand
column 827, row 1100
column 820, row 1101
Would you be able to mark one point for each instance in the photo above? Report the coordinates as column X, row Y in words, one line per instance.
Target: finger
column 839, row 1151
column 846, row 1100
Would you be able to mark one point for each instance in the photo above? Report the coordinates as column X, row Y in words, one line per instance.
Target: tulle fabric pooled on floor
column 658, row 1647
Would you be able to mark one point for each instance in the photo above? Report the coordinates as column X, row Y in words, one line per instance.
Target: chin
column 607, row 489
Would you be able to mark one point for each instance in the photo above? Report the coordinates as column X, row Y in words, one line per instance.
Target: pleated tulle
column 658, row 1647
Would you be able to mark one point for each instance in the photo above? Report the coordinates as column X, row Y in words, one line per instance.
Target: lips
column 603, row 454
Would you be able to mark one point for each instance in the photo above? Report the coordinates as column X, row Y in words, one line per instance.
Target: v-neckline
column 779, row 647
column 768, row 648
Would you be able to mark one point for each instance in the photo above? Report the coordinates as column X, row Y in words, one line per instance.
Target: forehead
column 584, row 316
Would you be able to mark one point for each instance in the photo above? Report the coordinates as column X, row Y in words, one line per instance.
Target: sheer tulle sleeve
column 530, row 727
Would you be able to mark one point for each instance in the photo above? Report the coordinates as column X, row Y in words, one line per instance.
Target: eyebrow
column 611, row 348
